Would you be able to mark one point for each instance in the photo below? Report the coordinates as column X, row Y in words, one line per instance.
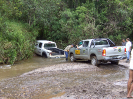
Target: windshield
column 49, row 45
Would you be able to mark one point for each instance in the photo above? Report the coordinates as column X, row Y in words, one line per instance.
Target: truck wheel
column 44, row 55
column 115, row 62
column 72, row 58
column 94, row 61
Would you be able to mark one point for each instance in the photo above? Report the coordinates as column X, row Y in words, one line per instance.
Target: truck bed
column 56, row 52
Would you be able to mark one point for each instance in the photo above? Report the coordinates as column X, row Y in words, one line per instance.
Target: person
column 67, row 50
column 128, row 49
column 123, row 42
column 79, row 45
column 130, row 80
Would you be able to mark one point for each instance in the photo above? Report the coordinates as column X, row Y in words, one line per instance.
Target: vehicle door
column 92, row 47
column 84, row 50
column 39, row 49
column 78, row 50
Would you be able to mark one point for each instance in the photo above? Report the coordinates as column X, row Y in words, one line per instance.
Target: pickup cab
column 48, row 49
column 98, row 50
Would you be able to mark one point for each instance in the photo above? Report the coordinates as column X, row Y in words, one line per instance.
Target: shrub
column 17, row 42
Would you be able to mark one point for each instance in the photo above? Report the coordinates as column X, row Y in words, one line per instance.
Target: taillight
column 125, row 50
column 104, row 52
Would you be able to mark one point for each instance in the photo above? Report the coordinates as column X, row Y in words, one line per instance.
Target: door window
column 85, row 43
column 80, row 43
column 40, row 45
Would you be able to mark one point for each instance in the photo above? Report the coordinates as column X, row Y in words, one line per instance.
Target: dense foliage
column 62, row 21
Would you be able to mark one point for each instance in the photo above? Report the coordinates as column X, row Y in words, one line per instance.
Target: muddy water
column 7, row 71
column 112, row 72
column 109, row 71
column 57, row 79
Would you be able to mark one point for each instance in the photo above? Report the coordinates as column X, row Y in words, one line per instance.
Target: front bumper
column 57, row 56
column 114, row 58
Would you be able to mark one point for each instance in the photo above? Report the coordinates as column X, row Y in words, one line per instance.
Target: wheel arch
column 74, row 59
column 71, row 53
column 97, row 61
column 44, row 54
column 92, row 55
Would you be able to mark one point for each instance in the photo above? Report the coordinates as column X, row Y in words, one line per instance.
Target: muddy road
column 57, row 79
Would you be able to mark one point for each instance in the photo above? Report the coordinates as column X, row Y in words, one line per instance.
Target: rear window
column 49, row 45
column 101, row 42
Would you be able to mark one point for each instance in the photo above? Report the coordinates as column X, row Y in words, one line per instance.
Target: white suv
column 48, row 49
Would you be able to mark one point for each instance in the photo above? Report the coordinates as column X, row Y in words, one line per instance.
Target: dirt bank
column 68, row 81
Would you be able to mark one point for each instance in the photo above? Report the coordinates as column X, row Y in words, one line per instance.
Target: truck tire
column 115, row 62
column 72, row 58
column 44, row 55
column 94, row 61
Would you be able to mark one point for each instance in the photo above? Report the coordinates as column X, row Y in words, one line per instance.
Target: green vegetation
column 17, row 42
column 62, row 21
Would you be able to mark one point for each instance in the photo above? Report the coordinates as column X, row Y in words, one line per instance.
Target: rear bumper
column 114, row 58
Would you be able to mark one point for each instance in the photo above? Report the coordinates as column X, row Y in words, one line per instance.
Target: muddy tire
column 94, row 61
column 72, row 58
column 44, row 55
column 115, row 62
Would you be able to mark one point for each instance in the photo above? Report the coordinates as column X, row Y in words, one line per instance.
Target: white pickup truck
column 98, row 50
column 48, row 49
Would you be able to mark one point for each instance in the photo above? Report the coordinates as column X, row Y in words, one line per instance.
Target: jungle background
column 22, row 22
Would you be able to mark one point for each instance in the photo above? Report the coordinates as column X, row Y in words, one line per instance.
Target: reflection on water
column 5, row 66
column 7, row 71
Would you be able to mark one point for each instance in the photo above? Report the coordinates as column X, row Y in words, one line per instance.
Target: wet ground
column 40, row 78
column 8, row 71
